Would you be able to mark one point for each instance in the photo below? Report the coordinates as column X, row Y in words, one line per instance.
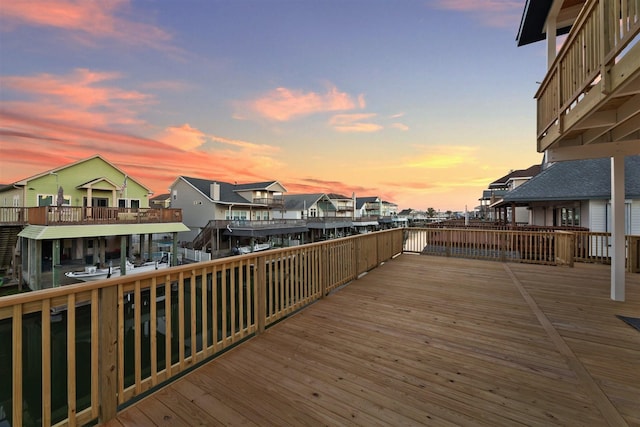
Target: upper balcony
column 78, row 215
column 591, row 93
column 272, row 202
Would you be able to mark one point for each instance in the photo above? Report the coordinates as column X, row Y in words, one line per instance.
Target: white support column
column 617, row 228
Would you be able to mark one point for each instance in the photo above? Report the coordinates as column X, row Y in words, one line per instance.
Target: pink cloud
column 95, row 19
column 354, row 123
column 78, row 96
column 30, row 146
column 183, row 137
column 494, row 13
column 284, row 104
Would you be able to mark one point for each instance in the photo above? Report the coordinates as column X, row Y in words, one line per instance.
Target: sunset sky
column 422, row 103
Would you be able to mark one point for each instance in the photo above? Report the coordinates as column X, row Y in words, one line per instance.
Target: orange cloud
column 354, row 123
column 96, row 19
column 441, row 157
column 284, row 104
column 183, row 137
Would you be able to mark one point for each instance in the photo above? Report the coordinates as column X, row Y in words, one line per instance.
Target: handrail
column 128, row 334
column 601, row 33
column 79, row 215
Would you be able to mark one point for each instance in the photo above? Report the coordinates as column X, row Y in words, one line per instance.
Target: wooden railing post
column 261, row 293
column 108, row 350
column 564, row 248
column 634, row 254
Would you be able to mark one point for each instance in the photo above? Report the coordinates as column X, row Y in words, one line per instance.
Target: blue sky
column 423, row 103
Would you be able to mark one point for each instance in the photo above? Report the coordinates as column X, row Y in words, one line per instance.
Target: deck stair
column 8, row 240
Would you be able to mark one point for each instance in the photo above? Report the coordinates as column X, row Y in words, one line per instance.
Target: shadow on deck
column 428, row 340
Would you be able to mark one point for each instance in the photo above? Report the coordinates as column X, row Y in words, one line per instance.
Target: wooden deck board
column 428, row 340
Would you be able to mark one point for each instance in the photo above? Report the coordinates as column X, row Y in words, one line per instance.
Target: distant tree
column 449, row 213
column 431, row 212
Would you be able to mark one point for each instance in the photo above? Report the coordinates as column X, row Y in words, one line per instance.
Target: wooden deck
column 428, row 341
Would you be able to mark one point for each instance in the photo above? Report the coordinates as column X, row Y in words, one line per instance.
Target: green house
column 87, row 213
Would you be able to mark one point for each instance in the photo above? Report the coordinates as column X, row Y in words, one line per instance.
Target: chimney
column 215, row 192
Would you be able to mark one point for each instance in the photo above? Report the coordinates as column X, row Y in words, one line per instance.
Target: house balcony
column 78, row 215
column 418, row 340
column 272, row 202
column 591, row 93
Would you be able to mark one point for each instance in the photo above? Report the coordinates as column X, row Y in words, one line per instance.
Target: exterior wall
column 597, row 219
column 69, row 178
column 197, row 210
column 12, row 198
column 635, row 217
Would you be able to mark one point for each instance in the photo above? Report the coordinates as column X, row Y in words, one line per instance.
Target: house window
column 312, row 212
column 570, row 217
column 129, row 203
column 45, row 199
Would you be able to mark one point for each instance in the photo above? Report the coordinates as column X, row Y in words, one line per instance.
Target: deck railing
column 73, row 354
column 598, row 38
column 554, row 247
column 79, row 215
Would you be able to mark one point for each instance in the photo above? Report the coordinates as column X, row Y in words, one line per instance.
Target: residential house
column 345, row 206
column 86, row 212
column 578, row 193
column 372, row 213
column 221, row 215
column 162, row 201
column 498, row 188
column 588, row 103
column 320, row 214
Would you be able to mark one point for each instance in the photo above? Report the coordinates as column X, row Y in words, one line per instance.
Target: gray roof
column 577, row 180
column 298, row 202
column 227, row 191
column 254, row 185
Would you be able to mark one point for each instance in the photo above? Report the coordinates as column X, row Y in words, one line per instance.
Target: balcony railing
column 602, row 36
column 77, row 215
column 270, row 201
column 74, row 354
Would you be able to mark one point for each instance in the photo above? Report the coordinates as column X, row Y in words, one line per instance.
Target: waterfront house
column 160, row 201
column 345, row 206
column 588, row 103
column 498, row 188
column 221, row 215
column 321, row 215
column 578, row 194
column 86, row 212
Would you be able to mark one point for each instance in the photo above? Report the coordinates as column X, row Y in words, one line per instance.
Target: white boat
column 241, row 250
column 92, row 273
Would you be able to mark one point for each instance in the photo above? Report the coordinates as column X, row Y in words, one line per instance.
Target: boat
column 92, row 273
column 241, row 250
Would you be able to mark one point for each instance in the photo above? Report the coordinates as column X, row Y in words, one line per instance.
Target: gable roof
column 227, row 190
column 258, row 186
column 24, row 181
column 298, row 202
column 530, row 172
column 577, row 180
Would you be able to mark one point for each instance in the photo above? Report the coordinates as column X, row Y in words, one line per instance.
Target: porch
column 432, row 341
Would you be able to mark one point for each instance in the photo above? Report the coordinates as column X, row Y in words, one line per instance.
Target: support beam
column 594, row 151
column 617, row 228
